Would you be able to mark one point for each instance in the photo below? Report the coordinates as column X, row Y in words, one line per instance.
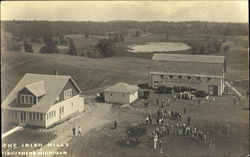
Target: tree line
column 38, row 29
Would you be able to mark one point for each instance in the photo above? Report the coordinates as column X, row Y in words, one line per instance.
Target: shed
column 121, row 93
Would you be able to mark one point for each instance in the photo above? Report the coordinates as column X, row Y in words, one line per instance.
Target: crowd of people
column 181, row 130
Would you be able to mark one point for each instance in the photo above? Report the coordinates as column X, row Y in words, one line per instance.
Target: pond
column 158, row 47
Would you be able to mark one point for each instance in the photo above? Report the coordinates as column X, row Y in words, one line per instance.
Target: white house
column 42, row 100
column 121, row 93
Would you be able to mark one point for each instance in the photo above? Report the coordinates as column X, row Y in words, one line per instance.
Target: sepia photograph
column 125, row 78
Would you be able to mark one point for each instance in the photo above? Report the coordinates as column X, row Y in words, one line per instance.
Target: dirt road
column 94, row 117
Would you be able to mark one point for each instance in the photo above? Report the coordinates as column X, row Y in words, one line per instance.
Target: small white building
column 42, row 100
column 121, row 93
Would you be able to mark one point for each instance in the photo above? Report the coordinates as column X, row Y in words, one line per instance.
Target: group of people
column 173, row 115
column 182, row 130
column 163, row 103
column 79, row 133
column 162, row 114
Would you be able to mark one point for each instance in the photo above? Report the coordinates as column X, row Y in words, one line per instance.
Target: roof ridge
column 34, row 83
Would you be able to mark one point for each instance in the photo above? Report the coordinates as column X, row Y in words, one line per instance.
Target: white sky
column 219, row 11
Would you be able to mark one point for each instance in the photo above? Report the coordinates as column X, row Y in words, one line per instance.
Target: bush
column 27, row 47
column 13, row 46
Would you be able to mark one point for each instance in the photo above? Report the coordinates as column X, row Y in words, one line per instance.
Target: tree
column 226, row 48
column 106, row 47
column 72, row 48
column 86, row 35
column 137, row 33
column 50, row 45
column 202, row 50
column 217, row 46
column 121, row 38
column 27, row 47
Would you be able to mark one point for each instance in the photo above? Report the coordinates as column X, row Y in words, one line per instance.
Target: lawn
column 211, row 116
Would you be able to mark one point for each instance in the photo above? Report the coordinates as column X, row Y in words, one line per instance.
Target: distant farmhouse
column 204, row 73
column 133, row 32
column 121, row 93
column 43, row 100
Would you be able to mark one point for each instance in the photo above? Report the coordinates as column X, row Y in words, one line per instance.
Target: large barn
column 121, row 93
column 197, row 72
column 42, row 100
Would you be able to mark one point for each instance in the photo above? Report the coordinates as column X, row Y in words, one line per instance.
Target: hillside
column 91, row 75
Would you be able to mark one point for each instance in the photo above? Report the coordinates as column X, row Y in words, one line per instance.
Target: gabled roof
column 189, row 64
column 53, row 85
column 122, row 87
column 37, row 88
column 189, row 58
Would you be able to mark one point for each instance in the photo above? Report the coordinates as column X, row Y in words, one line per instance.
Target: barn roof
column 189, row 58
column 122, row 87
column 189, row 64
column 51, row 84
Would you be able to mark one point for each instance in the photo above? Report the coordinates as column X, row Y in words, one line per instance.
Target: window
column 189, row 77
column 30, row 115
column 47, row 116
column 16, row 114
column 198, row 78
column 27, row 99
column 34, row 115
column 37, row 116
column 123, row 95
column 111, row 94
column 209, row 79
column 54, row 113
column 41, row 116
column 67, row 93
column 171, row 76
column 72, row 104
column 22, row 98
column 61, row 110
column 179, row 77
column 161, row 76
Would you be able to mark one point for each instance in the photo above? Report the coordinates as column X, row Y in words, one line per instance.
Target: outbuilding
column 121, row 93
column 202, row 73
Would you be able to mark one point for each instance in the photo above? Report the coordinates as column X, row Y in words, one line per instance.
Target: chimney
column 56, row 72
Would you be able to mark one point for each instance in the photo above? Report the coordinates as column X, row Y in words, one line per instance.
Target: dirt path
column 94, row 117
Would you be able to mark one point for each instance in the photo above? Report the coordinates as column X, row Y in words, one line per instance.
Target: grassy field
column 209, row 116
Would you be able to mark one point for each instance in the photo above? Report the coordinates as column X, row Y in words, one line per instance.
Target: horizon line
column 121, row 21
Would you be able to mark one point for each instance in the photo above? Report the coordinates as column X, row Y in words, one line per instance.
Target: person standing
column 74, row 131
column 160, row 145
column 155, row 140
column 79, row 131
column 150, row 120
column 184, row 110
column 228, row 129
column 147, row 120
column 174, row 98
column 115, row 124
